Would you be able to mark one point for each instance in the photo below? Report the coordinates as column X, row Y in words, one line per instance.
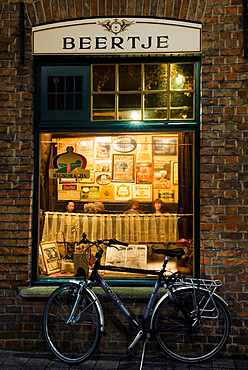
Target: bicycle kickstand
column 143, row 351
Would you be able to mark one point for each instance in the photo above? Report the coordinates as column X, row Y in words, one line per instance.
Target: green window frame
column 64, row 94
column 143, row 91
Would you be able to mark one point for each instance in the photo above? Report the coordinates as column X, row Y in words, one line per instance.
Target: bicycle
column 190, row 321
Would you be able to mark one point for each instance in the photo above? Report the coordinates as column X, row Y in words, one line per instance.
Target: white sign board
column 116, row 36
column 135, row 256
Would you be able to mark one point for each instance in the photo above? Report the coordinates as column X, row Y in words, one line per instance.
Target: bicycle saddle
column 174, row 253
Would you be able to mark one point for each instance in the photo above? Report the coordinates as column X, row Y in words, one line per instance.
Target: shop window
column 115, row 171
column 134, row 92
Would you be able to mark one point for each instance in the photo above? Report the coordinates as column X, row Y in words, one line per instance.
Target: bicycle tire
column 197, row 344
column 74, row 343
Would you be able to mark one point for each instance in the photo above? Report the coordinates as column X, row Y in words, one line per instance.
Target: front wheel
column 72, row 341
column 197, row 338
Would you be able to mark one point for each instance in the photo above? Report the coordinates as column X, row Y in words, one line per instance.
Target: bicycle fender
column 166, row 295
column 98, row 304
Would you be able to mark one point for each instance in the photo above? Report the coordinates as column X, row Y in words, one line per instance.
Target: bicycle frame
column 95, row 277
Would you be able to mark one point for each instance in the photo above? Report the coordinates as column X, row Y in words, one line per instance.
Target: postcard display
column 141, row 167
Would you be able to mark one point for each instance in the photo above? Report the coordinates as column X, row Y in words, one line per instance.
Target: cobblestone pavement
column 39, row 360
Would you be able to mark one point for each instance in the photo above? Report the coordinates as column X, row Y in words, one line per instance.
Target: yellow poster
column 107, row 192
column 123, row 191
column 142, row 192
column 68, row 195
column 144, row 148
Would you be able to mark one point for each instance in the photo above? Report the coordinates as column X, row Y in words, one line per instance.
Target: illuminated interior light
column 135, row 116
column 179, row 79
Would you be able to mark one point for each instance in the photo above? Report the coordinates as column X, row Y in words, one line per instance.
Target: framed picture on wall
column 102, row 166
column 175, row 173
column 144, row 173
column 89, row 192
column 107, row 192
column 167, row 195
column 85, row 147
column 123, row 168
column 165, row 145
column 142, row 192
column 51, row 257
column 102, row 147
column 162, row 174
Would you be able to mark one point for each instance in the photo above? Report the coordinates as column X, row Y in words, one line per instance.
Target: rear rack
column 210, row 285
column 203, row 305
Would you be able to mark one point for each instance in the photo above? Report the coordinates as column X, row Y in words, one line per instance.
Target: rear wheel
column 201, row 339
column 77, row 341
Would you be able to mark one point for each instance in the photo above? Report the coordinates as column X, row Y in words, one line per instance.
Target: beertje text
column 115, row 42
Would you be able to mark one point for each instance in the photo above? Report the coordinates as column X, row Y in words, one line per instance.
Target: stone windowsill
column 127, row 293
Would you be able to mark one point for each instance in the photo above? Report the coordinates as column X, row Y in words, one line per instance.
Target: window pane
column 155, row 76
column 104, row 101
column 129, row 107
column 182, row 105
column 78, row 101
column 51, row 83
column 60, row 84
column 104, row 107
column 69, row 101
column 69, row 83
column 129, row 101
column 51, row 101
column 156, row 100
column 104, row 78
column 155, row 106
column 60, row 101
column 78, row 83
column 155, row 113
column 103, row 115
column 129, row 114
column 129, row 77
column 182, row 76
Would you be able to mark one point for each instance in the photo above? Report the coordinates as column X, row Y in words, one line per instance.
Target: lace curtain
column 143, row 228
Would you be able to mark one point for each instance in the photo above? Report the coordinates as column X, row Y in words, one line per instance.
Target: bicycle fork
column 72, row 319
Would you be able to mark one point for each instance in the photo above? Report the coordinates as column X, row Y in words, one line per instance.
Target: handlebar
column 97, row 243
column 115, row 241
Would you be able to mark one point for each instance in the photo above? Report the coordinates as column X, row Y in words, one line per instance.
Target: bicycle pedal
column 130, row 352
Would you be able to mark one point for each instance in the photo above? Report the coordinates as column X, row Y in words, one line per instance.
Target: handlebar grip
column 115, row 241
column 158, row 251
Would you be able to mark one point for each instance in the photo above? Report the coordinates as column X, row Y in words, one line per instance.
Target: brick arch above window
column 45, row 11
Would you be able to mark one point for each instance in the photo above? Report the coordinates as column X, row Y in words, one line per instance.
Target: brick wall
column 224, row 159
column 224, row 143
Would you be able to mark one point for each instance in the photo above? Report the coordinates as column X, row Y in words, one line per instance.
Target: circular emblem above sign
column 124, row 144
column 103, row 179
